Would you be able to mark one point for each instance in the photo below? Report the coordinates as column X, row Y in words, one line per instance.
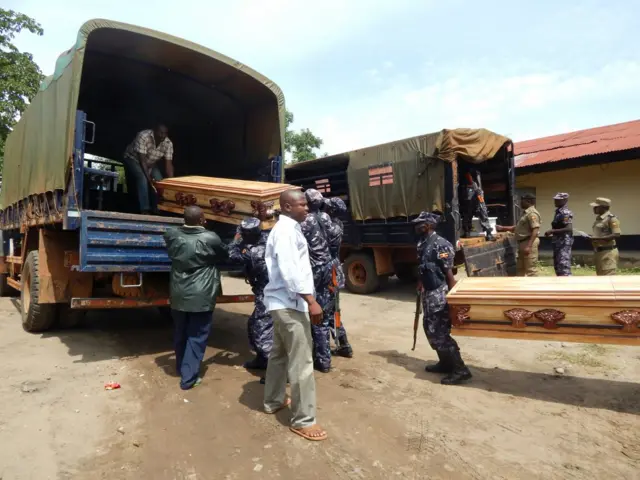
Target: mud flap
column 490, row 259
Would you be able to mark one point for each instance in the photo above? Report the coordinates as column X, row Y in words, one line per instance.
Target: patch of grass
column 588, row 357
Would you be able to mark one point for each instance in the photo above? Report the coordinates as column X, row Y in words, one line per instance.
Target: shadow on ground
column 134, row 333
column 611, row 395
column 252, row 397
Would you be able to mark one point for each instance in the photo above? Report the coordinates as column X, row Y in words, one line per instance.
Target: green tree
column 302, row 144
column 20, row 76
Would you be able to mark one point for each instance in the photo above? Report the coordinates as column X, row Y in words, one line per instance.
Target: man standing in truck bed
column 472, row 202
column 140, row 164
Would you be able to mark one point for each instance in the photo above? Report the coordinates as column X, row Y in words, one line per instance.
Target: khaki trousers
column 291, row 356
column 527, row 265
column 606, row 262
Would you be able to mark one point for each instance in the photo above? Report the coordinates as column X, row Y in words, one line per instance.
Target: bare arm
column 168, row 167
column 501, row 228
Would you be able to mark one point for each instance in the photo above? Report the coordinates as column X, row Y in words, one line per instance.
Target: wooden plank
column 13, row 259
column 14, row 283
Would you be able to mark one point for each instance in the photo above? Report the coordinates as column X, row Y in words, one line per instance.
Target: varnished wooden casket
column 223, row 199
column 571, row 309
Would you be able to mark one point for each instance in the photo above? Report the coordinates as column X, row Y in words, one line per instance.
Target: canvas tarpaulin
column 469, row 144
column 38, row 153
column 403, row 178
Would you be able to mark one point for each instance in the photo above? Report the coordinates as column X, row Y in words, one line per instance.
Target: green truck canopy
column 403, row 178
column 234, row 114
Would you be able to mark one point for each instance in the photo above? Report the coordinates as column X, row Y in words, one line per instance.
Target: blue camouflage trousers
column 321, row 333
column 340, row 333
column 260, row 328
column 562, row 256
column 436, row 323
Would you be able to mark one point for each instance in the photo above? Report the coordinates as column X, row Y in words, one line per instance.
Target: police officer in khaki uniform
column 606, row 229
column 526, row 232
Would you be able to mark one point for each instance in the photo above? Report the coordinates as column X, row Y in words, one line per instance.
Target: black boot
column 258, row 363
column 490, row 237
column 459, row 374
column 443, row 365
column 343, row 349
column 321, row 368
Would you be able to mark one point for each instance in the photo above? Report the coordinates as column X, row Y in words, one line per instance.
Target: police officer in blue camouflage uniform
column 248, row 249
column 436, row 255
column 335, row 206
column 317, row 229
column 472, row 202
column 561, row 234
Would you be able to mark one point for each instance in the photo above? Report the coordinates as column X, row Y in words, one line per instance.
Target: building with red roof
column 598, row 162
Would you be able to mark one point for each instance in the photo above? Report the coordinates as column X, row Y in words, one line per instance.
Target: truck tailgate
column 490, row 259
column 121, row 242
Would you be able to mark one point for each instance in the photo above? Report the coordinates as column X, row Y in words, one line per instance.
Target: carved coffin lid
column 607, row 291
column 226, row 187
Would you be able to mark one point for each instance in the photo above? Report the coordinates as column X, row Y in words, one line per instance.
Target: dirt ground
column 387, row 418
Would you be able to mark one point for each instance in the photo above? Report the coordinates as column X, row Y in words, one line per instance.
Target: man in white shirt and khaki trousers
column 289, row 298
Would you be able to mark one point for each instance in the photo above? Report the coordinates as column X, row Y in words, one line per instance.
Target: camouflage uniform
column 317, row 229
column 260, row 325
column 472, row 201
column 437, row 254
column 334, row 207
column 606, row 255
column 562, row 242
column 527, row 264
column 436, row 323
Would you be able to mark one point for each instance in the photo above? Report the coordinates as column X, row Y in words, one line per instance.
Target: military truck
column 386, row 186
column 69, row 240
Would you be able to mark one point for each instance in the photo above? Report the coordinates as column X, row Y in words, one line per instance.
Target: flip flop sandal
column 309, row 437
column 286, row 403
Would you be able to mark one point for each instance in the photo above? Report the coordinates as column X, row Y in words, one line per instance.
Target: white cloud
column 521, row 106
column 274, row 32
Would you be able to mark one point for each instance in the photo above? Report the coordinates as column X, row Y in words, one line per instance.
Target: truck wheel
column 69, row 317
column 361, row 275
column 36, row 317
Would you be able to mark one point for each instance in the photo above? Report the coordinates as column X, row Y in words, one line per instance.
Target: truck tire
column 36, row 317
column 360, row 274
column 69, row 317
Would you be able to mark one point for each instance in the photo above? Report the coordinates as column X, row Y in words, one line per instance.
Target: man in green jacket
column 195, row 283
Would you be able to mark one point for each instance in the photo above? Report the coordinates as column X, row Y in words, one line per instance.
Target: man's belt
column 520, row 240
column 605, row 249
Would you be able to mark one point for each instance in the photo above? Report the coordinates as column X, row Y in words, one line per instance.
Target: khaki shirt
column 530, row 219
column 606, row 224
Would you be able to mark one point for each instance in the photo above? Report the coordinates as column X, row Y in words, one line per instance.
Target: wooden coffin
column 571, row 309
column 223, row 199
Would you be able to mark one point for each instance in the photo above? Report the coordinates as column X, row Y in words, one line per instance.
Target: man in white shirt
column 140, row 164
column 289, row 298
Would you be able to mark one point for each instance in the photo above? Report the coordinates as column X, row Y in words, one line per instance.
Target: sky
column 358, row 73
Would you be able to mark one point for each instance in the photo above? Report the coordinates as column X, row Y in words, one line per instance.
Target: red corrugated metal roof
column 612, row 138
